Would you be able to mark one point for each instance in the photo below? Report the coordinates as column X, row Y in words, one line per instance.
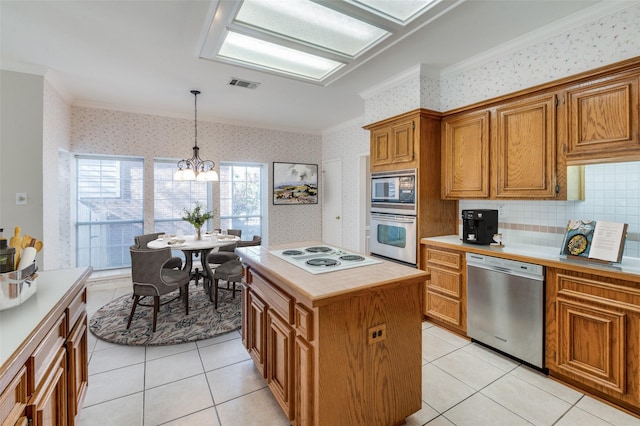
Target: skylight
column 311, row 40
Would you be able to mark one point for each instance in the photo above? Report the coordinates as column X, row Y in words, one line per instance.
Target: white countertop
column 17, row 323
column 549, row 256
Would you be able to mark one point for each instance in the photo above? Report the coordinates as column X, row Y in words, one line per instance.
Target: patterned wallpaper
column 98, row 131
column 604, row 41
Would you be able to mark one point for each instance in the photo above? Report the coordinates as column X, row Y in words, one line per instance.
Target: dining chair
column 255, row 241
column 151, row 278
column 231, row 272
column 226, row 252
column 141, row 242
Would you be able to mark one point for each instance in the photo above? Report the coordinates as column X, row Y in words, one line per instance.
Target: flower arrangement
column 197, row 217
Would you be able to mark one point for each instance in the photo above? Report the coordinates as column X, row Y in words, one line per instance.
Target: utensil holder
column 17, row 286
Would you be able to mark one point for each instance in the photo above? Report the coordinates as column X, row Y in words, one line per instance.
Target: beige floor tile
column 176, row 400
column 468, row 369
column 607, row 412
column 578, row 417
column 234, row 380
column 155, row 352
column 114, row 384
column 478, row 410
column 440, row 421
column 122, row 411
column 115, row 357
column 255, row 409
column 526, row 400
column 233, row 335
column 223, row 354
column 441, row 390
column 171, row 368
column 208, row 417
column 425, row 414
column 492, row 357
column 434, row 347
column 543, row 382
column 447, row 336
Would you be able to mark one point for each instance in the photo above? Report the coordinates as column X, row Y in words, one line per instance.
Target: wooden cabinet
column 47, row 375
column 603, row 119
column 421, row 150
column 13, row 400
column 280, row 354
column 393, row 144
column 593, row 334
column 445, row 296
column 318, row 358
column 524, row 148
column 505, row 152
column 465, row 156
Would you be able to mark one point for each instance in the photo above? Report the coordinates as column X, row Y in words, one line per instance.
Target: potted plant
column 197, row 217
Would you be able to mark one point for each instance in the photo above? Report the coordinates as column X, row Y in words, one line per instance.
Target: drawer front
column 304, row 322
column 43, row 356
column 444, row 309
column 275, row 298
column 447, row 282
column 444, row 258
column 76, row 308
column 13, row 399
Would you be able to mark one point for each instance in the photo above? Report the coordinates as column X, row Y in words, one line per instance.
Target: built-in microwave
column 394, row 192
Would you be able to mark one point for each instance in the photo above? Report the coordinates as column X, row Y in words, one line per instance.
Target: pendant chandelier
column 195, row 168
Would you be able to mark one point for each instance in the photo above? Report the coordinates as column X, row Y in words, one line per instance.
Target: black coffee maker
column 478, row 226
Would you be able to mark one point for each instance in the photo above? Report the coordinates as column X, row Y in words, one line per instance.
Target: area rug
column 203, row 322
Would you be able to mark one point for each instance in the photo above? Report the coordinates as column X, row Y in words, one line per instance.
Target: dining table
column 192, row 247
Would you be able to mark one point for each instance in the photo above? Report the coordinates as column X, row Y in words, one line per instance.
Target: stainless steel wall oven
column 394, row 230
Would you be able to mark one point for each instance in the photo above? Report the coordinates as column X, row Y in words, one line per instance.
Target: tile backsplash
column 611, row 194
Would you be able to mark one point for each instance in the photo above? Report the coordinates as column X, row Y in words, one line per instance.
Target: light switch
column 21, row 198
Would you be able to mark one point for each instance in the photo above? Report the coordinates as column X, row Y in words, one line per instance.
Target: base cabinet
column 50, row 371
column 320, row 362
column 445, row 293
column 593, row 334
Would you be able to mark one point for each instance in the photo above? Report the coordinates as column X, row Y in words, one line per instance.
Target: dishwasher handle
column 506, row 270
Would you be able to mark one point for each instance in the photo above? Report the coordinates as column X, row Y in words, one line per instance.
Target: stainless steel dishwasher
column 505, row 306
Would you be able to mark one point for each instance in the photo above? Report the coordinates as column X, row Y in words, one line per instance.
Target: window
column 171, row 197
column 109, row 210
column 241, row 198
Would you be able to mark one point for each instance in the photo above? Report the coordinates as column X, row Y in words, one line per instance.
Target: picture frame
column 295, row 183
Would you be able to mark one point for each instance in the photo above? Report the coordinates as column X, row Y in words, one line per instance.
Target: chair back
column 146, row 265
column 141, row 241
column 256, row 241
column 236, row 232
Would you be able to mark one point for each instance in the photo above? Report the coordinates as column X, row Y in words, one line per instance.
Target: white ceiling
column 142, row 56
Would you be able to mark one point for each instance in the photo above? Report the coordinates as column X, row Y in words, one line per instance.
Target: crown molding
column 355, row 122
column 416, row 71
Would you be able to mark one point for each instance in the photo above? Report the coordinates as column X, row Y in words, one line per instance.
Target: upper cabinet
column 393, row 143
column 518, row 146
column 524, row 149
column 507, row 151
column 602, row 120
column 465, row 155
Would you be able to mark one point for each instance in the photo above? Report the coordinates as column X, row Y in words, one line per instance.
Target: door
column 332, row 202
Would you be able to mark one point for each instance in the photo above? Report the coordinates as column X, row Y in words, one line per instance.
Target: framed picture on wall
column 295, row 183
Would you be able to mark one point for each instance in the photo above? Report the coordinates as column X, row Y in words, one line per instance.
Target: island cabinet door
column 280, row 375
column 256, row 330
column 78, row 368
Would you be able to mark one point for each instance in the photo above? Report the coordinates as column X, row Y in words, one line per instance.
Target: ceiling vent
column 243, row 83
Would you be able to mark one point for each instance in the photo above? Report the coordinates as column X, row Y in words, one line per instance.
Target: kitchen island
column 338, row 348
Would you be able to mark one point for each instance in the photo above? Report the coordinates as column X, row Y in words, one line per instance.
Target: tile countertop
column 321, row 288
column 628, row 269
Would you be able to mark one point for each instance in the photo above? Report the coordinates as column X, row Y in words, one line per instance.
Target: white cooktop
column 322, row 258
